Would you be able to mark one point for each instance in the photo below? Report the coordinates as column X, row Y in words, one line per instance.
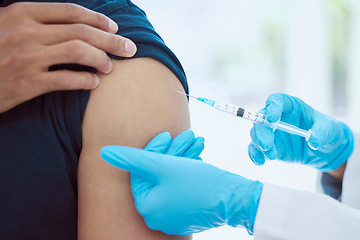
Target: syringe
column 258, row 118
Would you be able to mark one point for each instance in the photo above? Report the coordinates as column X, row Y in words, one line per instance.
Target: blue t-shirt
column 40, row 141
column 331, row 186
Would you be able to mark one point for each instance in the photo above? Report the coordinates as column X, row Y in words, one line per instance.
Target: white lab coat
column 297, row 215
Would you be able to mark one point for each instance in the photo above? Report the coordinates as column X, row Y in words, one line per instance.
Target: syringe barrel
column 258, row 118
column 243, row 113
column 226, row 107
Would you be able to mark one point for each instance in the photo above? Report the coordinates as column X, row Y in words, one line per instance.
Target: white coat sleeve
column 350, row 188
column 329, row 185
column 292, row 214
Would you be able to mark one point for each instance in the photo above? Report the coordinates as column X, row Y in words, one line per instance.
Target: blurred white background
column 242, row 51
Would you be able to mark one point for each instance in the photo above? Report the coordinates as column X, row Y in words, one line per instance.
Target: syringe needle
column 185, row 94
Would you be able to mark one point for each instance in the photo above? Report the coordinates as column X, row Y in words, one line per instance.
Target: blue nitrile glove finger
column 330, row 145
column 182, row 196
column 256, row 155
column 195, row 149
column 160, row 143
column 185, row 144
column 263, row 139
column 181, row 143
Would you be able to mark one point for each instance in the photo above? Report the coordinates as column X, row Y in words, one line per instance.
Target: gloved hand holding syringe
column 258, row 118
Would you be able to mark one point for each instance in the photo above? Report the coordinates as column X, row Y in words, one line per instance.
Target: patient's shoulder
column 137, row 94
column 134, row 24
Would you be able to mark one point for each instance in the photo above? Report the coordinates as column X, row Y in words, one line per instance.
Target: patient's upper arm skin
column 131, row 106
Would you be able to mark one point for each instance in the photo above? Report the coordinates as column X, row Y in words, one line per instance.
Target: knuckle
column 75, row 50
column 65, row 81
column 104, row 61
column 87, row 80
column 275, row 95
column 102, row 21
column 14, row 60
column 19, row 59
column 15, row 9
column 272, row 98
column 21, row 33
column 82, row 32
column 59, row 82
column 16, row 35
column 29, row 32
column 20, row 85
column 73, row 11
column 115, row 44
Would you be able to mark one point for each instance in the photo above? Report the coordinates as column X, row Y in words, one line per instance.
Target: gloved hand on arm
column 181, row 194
column 330, row 145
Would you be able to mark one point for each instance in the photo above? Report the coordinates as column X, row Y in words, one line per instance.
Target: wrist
column 244, row 204
column 254, row 206
column 341, row 154
column 339, row 172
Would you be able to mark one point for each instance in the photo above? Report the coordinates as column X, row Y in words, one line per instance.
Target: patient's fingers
column 79, row 52
column 65, row 13
column 111, row 43
column 68, row 80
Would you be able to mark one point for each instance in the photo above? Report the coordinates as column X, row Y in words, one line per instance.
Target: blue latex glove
column 330, row 145
column 179, row 195
column 184, row 145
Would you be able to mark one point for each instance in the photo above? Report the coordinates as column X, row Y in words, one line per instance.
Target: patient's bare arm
column 132, row 105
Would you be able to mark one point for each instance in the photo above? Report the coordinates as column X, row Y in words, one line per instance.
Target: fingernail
column 130, row 47
column 265, row 148
column 97, row 80
column 254, row 161
column 110, row 66
column 113, row 27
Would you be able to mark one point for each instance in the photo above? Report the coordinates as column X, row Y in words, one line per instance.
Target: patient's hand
column 35, row 36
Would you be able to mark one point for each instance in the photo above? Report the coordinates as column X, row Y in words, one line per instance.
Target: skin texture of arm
column 131, row 106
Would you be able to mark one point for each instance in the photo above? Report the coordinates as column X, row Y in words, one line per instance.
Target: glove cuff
column 245, row 204
column 344, row 154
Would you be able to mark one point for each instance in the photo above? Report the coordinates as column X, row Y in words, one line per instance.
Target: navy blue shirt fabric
column 40, row 141
column 331, row 186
